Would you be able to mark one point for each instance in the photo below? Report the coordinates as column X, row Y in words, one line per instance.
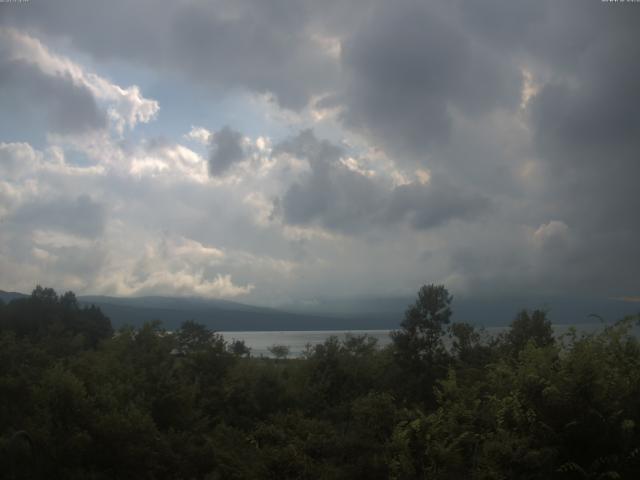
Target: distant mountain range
column 220, row 315
column 489, row 312
column 355, row 313
column 6, row 297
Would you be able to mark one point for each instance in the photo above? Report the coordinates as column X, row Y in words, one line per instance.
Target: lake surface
column 297, row 341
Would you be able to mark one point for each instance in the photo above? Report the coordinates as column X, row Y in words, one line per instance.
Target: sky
column 281, row 151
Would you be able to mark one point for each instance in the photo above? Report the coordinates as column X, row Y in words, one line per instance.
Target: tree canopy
column 441, row 401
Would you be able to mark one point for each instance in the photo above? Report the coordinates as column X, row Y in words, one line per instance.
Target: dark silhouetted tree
column 279, row 351
column 418, row 345
column 529, row 327
column 239, row 348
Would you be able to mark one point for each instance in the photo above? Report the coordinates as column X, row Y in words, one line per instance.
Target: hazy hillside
column 223, row 315
column 487, row 312
column 355, row 313
column 6, row 297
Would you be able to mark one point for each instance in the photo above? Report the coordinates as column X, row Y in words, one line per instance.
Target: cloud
column 586, row 133
column 226, row 149
column 339, row 197
column 549, row 234
column 161, row 158
column 174, row 266
column 520, row 117
column 75, row 100
column 408, row 65
column 81, row 215
column 252, row 45
column 198, row 134
column 93, row 243
column 68, row 107
column 16, row 160
column 433, row 204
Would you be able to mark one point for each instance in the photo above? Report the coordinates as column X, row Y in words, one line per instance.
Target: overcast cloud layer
column 280, row 151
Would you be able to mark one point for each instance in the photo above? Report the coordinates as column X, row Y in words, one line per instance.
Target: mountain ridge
column 356, row 313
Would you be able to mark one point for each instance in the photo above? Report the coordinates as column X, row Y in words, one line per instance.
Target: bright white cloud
column 126, row 107
column 172, row 266
column 198, row 134
column 173, row 159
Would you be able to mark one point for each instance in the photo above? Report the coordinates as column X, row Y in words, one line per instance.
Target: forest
column 444, row 400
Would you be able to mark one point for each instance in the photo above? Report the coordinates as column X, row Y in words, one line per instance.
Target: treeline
column 443, row 401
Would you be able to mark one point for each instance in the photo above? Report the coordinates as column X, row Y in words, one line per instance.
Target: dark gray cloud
column 428, row 206
column 408, row 65
column 27, row 92
column 226, row 149
column 340, row 199
column 583, row 123
column 587, row 132
column 330, row 194
column 81, row 216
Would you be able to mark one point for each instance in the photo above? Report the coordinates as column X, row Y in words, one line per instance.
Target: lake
column 297, row 341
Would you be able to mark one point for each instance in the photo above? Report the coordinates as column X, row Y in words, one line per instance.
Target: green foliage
column 420, row 339
column 279, row 351
column 77, row 401
column 239, row 348
column 60, row 320
column 529, row 327
column 419, row 347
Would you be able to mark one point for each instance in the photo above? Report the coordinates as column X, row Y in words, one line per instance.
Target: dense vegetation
column 442, row 401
